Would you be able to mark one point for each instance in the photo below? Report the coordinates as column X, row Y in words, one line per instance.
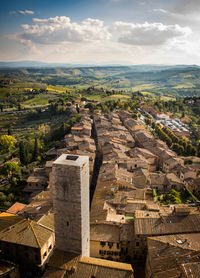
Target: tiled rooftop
column 169, row 254
column 73, row 266
column 154, row 224
column 23, row 231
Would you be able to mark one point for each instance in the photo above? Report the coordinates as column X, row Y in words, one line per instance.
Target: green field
column 39, row 100
column 106, row 98
column 167, row 80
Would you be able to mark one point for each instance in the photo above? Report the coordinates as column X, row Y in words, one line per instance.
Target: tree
column 178, row 149
column 43, row 129
column 153, row 125
column 134, row 116
column 19, row 107
column 2, row 197
column 62, row 129
column 7, row 142
column 148, row 121
column 193, row 151
column 77, row 108
column 36, row 149
column 9, row 131
column 11, row 169
column 90, row 106
column 188, row 149
column 23, row 154
column 172, row 197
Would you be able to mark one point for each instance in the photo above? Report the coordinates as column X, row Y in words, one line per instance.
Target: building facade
column 70, row 175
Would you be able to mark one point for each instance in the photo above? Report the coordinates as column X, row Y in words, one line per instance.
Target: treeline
column 17, row 96
column 171, row 106
column 111, row 105
column 35, row 149
column 181, row 145
column 22, row 156
column 185, row 109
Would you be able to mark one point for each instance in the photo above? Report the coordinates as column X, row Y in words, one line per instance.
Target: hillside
column 168, row 80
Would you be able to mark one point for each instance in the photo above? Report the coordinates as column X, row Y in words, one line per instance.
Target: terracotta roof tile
column 25, row 232
column 16, row 208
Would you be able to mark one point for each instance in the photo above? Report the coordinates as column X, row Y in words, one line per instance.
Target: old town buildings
column 121, row 163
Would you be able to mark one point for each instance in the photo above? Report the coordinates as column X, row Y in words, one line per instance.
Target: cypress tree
column 36, row 149
column 9, row 131
column 23, row 154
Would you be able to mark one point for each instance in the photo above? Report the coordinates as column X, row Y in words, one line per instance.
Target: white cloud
column 188, row 7
column 182, row 14
column 148, row 33
column 57, row 39
column 24, row 12
column 60, row 29
column 161, row 11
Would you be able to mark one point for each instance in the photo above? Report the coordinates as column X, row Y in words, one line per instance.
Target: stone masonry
column 71, row 203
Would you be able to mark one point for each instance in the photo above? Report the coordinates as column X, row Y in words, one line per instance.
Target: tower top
column 70, row 159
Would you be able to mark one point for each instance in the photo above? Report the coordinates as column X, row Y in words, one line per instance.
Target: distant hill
column 35, row 64
column 38, row 64
column 178, row 80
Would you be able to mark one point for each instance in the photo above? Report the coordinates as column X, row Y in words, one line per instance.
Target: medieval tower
column 70, row 175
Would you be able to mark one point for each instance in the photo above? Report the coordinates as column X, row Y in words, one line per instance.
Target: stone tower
column 70, row 175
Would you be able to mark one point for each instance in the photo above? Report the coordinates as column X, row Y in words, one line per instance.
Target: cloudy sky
column 101, row 31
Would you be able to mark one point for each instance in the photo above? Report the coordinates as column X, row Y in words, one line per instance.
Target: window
column 44, row 255
column 67, row 223
column 117, row 245
column 50, row 247
column 102, row 243
column 109, row 252
column 137, row 243
column 110, row 244
column 135, row 165
column 102, row 252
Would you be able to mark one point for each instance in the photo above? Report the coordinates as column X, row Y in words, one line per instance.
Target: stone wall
column 71, row 203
